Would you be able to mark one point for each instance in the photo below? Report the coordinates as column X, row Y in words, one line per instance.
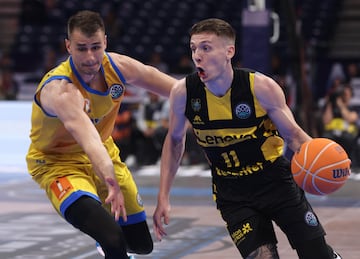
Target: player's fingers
column 158, row 228
column 159, row 232
column 109, row 198
column 166, row 220
column 123, row 213
column 115, row 209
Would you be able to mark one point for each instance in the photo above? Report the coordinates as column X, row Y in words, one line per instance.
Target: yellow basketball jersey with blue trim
column 48, row 135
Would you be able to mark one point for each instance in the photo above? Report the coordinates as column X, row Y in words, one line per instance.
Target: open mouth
column 201, row 72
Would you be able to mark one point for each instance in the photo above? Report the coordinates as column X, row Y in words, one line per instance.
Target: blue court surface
column 30, row 228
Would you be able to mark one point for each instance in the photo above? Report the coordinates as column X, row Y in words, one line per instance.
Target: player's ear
column 105, row 41
column 230, row 51
column 67, row 45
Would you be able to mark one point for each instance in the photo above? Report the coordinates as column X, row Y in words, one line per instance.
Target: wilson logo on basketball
column 341, row 172
column 321, row 166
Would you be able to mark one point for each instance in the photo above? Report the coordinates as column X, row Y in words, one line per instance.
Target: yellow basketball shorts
column 67, row 177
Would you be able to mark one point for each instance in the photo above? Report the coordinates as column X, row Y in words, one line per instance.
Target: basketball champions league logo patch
column 116, row 91
column 242, row 111
column 310, row 219
column 196, row 104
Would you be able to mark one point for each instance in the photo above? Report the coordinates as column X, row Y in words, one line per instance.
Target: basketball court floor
column 30, row 228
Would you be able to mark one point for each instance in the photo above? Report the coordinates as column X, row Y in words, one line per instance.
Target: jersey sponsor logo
column 197, row 120
column 60, row 187
column 242, row 111
column 224, row 137
column 196, row 104
column 240, row 234
column 311, row 219
column 40, row 161
column 87, row 109
column 116, row 91
column 244, row 171
column 87, row 105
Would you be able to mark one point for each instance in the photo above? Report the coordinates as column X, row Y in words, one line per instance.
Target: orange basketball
column 321, row 166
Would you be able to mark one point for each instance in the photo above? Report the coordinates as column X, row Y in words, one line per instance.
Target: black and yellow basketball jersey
column 234, row 130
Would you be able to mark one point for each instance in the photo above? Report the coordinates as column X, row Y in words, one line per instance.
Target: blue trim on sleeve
column 45, row 83
column 117, row 70
column 133, row 219
column 74, row 197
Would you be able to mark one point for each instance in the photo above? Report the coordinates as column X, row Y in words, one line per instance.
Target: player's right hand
column 116, row 199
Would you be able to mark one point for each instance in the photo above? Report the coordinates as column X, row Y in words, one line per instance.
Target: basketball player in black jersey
column 241, row 121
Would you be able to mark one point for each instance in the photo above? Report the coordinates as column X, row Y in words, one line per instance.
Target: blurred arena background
column 307, row 46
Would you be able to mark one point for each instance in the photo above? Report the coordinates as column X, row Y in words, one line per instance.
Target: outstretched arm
column 64, row 100
column 172, row 152
column 144, row 76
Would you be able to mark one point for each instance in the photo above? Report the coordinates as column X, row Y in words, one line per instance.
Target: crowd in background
column 142, row 124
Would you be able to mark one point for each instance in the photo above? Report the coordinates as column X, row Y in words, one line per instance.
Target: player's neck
column 221, row 85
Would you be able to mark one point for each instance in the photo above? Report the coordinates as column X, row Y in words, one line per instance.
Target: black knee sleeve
column 138, row 238
column 90, row 217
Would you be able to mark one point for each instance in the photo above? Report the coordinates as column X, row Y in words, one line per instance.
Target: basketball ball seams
column 322, row 151
column 320, row 166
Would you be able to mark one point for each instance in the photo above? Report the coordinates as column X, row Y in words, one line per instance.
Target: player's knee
column 144, row 248
column 267, row 251
column 113, row 244
column 138, row 238
column 144, row 245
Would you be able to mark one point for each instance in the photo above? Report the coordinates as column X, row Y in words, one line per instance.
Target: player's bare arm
column 173, row 150
column 145, row 76
column 64, row 100
column 272, row 99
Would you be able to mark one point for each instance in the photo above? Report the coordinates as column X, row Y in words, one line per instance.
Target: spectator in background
column 53, row 56
column 339, row 120
column 193, row 154
column 8, row 86
column 123, row 131
column 185, row 65
column 157, row 61
column 352, row 71
column 148, row 120
column 337, row 74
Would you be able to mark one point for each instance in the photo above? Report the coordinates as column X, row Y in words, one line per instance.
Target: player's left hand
column 116, row 199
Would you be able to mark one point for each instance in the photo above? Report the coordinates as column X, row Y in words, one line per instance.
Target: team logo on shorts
column 139, row 200
column 242, row 111
column 196, row 104
column 310, row 219
column 116, row 91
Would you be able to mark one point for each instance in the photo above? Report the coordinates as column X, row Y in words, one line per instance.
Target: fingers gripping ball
column 321, row 166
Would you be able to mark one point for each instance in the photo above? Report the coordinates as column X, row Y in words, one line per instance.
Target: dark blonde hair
column 214, row 25
column 88, row 22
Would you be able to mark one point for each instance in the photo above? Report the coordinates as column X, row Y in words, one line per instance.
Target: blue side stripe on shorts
column 133, row 219
column 74, row 197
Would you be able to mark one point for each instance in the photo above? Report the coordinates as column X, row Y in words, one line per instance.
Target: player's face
column 87, row 52
column 211, row 55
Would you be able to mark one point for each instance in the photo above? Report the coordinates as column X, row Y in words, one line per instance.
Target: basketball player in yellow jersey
column 241, row 121
column 72, row 155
